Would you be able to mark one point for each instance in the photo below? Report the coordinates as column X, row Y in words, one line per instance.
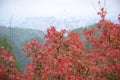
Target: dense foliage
column 66, row 57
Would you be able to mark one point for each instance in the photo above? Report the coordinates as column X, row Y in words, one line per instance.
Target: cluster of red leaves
column 102, row 13
column 58, row 58
column 105, row 56
column 7, row 69
column 66, row 57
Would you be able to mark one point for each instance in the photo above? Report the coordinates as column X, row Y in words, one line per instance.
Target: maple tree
column 67, row 58
column 106, row 50
column 58, row 58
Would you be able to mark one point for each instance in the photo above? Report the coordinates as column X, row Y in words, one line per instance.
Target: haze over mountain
column 42, row 23
column 40, row 14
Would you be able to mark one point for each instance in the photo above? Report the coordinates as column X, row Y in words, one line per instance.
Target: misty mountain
column 17, row 37
column 42, row 23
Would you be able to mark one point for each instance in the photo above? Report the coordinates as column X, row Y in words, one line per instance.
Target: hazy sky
column 83, row 9
column 58, row 8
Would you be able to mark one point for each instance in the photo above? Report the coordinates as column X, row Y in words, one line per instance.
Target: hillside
column 18, row 38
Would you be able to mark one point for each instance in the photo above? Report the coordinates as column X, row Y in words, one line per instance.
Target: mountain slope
column 17, row 38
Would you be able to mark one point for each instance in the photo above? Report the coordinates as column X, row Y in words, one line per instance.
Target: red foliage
column 7, row 68
column 58, row 58
column 67, row 58
column 102, row 13
column 105, row 56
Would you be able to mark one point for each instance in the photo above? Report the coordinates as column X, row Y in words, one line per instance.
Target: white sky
column 57, row 8
column 84, row 10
